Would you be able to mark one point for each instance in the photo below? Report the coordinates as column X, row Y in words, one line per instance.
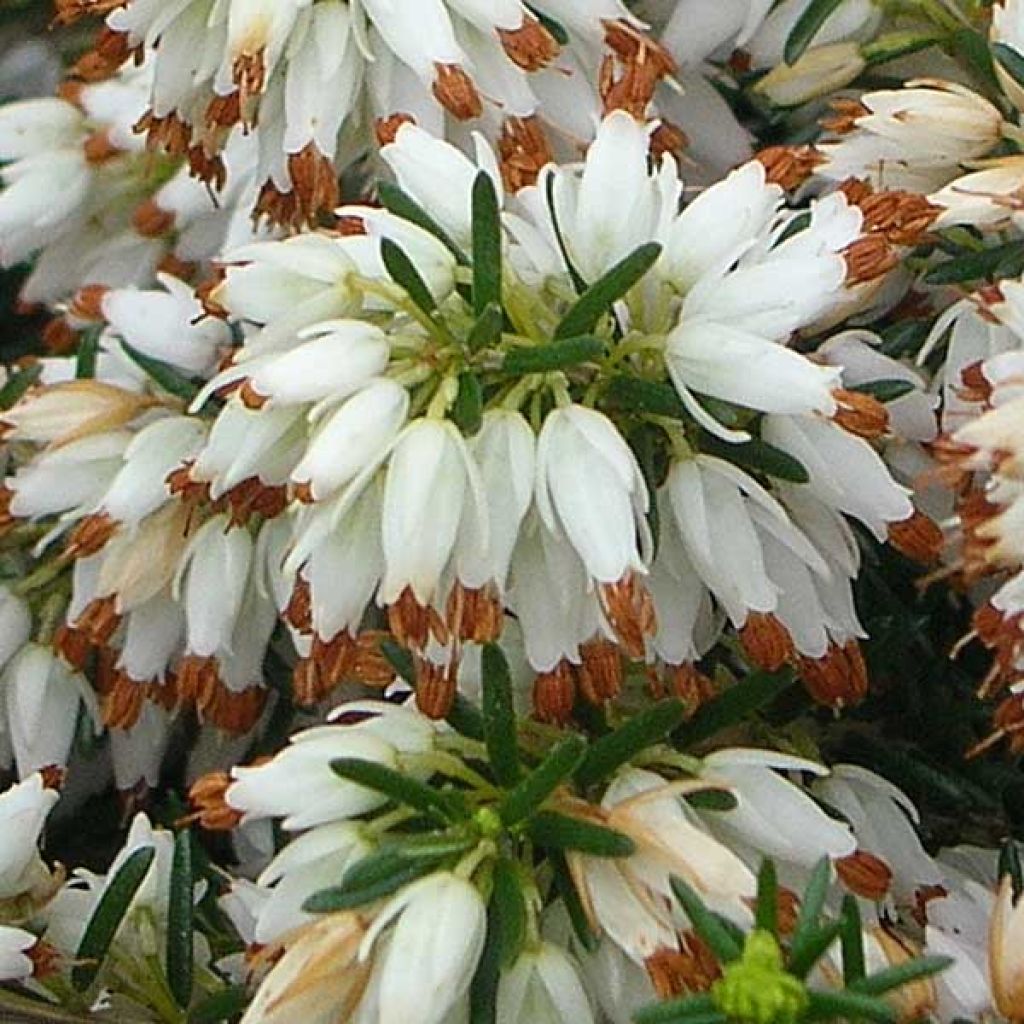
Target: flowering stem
column 468, row 865
column 46, row 573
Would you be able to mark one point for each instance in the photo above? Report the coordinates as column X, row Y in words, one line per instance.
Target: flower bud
column 818, row 72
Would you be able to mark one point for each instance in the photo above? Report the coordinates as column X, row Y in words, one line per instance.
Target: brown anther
column 334, row 660
column 370, row 665
column 974, row 385
column 183, row 270
column 474, row 615
column 856, row 190
column 59, row 337
column 865, row 875
column 250, row 397
column 844, row 117
column 122, row 703
column 110, row 50
column 692, row 968
column 414, row 624
column 7, row 518
column 693, row 686
column 99, row 620
column 73, row 645
column 71, row 91
column 314, row 186
column 53, row 776
column 151, row 221
column 386, row 128
column 87, row 302
column 299, row 611
column 667, row 139
column 252, row 497
column 181, row 485
column 531, row 46
column 223, row 112
column 234, row 712
column 104, row 675
column 207, row 167
column 868, row 258
column 69, row 11
column 249, row 73
column 600, row 672
column 766, row 641
column 303, row 492
column 630, row 88
column 164, row 694
column 307, row 688
column 788, row 166
column 554, row 694
column 631, row 45
column 924, row 895
column 740, row 62
column 99, row 149
column 46, row 960
column 90, row 535
column 860, row 414
column 456, row 92
column 839, row 679
column 350, row 226
column 976, row 512
column 436, row 686
column 902, row 218
column 918, row 537
column 1008, row 718
column 787, row 910
column 206, row 293
column 630, row 612
column 523, row 149
column 208, row 798
column 985, row 298
column 169, row 134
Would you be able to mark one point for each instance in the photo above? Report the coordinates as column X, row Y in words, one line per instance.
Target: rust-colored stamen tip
column 788, row 166
column 918, row 537
column 865, row 875
column 860, row 414
column 456, row 92
column 767, row 641
column 554, row 694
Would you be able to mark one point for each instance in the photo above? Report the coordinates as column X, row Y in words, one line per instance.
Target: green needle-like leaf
column 851, row 937
column 440, row 804
column 598, row 299
column 831, row 1006
column 18, row 383
column 499, row 716
column 180, row 935
column 559, row 831
column 404, row 273
column 766, row 910
column 486, row 245
column 108, row 915
column 561, row 761
column 508, row 906
column 890, row 978
column 559, row 355
column 640, row 732
column 807, row 26
column 707, row 925
column 165, row 376
column 807, row 927
column 401, row 204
